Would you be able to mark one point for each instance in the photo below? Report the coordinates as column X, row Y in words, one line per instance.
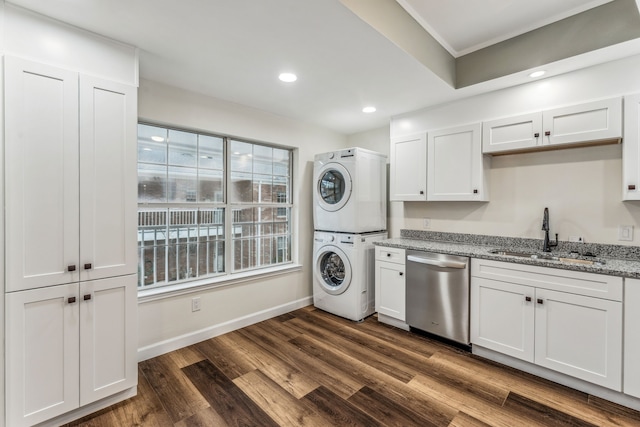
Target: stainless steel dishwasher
column 438, row 294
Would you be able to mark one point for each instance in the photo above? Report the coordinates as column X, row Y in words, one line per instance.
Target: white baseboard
column 185, row 340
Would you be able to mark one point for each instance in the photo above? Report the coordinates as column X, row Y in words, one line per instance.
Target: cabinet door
column 41, row 175
column 631, row 381
column 108, row 180
column 631, row 149
column 512, row 133
column 390, row 289
column 108, row 337
column 580, row 336
column 41, row 353
column 455, row 165
column 408, row 168
column 502, row 317
column 593, row 121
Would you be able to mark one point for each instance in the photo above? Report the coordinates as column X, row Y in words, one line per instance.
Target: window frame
column 230, row 275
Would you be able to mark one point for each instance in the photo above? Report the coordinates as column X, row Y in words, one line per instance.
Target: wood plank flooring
column 310, row 368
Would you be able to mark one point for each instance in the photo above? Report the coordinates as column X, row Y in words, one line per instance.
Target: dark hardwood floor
column 310, row 368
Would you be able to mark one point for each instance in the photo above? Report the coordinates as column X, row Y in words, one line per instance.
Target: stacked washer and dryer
column 350, row 213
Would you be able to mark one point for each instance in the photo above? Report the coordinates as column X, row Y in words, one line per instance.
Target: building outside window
column 209, row 205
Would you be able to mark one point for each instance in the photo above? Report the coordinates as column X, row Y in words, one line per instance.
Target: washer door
column 333, row 270
column 333, row 187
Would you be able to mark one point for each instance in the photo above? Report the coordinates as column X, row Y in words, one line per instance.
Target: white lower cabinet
column 570, row 322
column 390, row 282
column 631, row 381
column 69, row 345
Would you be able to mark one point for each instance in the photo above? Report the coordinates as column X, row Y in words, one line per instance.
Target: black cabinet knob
column 528, row 299
column 71, row 268
column 87, row 266
column 540, row 301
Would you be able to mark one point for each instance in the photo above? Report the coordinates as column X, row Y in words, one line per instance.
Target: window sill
column 169, row 291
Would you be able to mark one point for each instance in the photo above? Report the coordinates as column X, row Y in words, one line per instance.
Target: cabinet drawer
column 575, row 282
column 395, row 255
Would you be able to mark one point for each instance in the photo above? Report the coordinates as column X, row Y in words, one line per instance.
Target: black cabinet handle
column 536, row 135
column 547, row 133
column 540, row 301
column 87, row 297
column 421, row 192
column 71, row 300
column 87, row 266
column 401, row 273
column 631, row 187
column 71, row 268
column 388, row 254
column 475, row 191
column 527, row 299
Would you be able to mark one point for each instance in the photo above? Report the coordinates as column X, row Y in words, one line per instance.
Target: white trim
column 185, row 340
column 85, row 410
column 184, row 288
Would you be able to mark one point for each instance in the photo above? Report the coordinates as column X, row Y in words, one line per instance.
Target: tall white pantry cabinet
column 70, row 202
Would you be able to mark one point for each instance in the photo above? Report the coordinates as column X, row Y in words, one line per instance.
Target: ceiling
column 234, row 50
column 485, row 22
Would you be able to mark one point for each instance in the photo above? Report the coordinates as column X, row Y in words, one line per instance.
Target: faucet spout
column 547, row 245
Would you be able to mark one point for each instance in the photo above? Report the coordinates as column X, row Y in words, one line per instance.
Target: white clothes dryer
column 350, row 191
column 343, row 273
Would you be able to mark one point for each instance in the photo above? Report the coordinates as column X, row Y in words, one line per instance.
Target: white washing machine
column 343, row 273
column 350, row 191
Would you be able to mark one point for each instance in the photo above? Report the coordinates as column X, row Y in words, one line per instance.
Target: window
column 209, row 205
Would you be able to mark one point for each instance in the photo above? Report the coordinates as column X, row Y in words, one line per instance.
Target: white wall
column 168, row 322
column 581, row 186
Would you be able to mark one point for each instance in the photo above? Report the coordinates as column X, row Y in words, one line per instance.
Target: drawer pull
column 527, row 299
column 71, row 268
column 547, row 133
column 87, row 297
column 536, row 135
column 388, row 254
column 401, row 273
column 631, row 187
column 540, row 301
column 88, row 266
column 71, row 300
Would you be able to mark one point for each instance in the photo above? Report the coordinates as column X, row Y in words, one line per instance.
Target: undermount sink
column 545, row 256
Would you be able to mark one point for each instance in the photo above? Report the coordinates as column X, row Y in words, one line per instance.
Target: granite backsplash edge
column 597, row 249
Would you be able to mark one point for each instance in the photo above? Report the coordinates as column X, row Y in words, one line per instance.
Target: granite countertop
column 613, row 260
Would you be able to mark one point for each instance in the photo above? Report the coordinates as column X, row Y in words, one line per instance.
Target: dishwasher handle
column 437, row 263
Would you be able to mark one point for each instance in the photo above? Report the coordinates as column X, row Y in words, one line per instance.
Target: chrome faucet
column 547, row 245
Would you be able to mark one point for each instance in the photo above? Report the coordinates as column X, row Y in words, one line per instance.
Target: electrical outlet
column 625, row 233
column 195, row 304
column 426, row 223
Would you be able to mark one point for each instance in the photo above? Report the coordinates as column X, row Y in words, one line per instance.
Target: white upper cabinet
column 631, row 148
column 408, row 169
column 512, row 133
column 455, row 164
column 41, row 175
column 70, row 155
column 591, row 122
column 108, row 194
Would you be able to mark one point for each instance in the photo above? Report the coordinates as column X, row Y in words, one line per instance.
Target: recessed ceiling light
column 288, row 77
column 157, row 138
column 369, row 110
column 537, row 74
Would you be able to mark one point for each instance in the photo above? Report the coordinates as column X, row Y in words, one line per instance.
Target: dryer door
column 333, row 270
column 333, row 188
